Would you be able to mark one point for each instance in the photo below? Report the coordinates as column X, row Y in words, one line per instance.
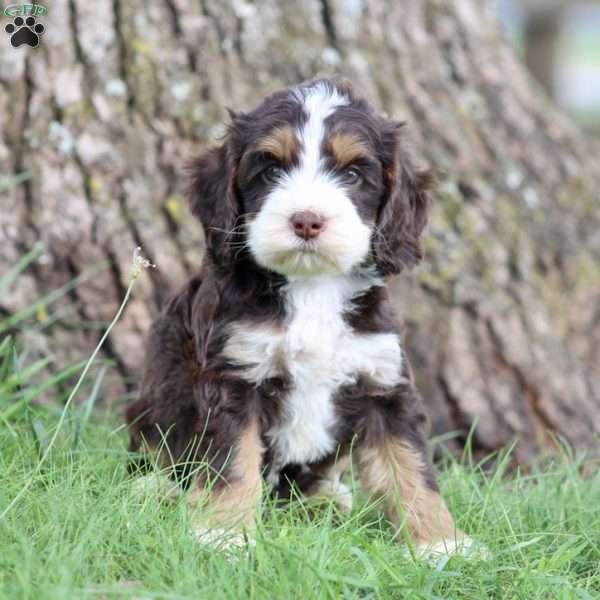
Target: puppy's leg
column 400, row 475
column 224, row 509
column 163, row 418
column 394, row 465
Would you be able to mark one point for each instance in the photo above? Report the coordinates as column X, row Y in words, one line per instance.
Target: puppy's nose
column 307, row 224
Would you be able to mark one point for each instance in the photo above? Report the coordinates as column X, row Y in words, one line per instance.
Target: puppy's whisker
column 241, row 248
column 237, row 230
column 247, row 214
column 227, row 231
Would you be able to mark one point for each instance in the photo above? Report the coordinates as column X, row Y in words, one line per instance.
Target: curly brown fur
column 284, row 353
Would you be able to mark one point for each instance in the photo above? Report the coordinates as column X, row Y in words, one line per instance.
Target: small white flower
column 140, row 263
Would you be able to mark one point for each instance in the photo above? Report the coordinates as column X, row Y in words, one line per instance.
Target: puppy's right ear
column 405, row 207
column 213, row 201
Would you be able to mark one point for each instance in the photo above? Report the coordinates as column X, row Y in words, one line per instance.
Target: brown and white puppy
column 284, row 354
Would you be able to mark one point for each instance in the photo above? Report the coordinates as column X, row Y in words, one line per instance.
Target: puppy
column 282, row 360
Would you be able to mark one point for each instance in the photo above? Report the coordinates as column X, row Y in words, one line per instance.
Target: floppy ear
column 212, row 199
column 404, row 209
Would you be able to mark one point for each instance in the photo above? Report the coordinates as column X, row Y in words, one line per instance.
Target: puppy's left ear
column 213, row 200
column 405, row 207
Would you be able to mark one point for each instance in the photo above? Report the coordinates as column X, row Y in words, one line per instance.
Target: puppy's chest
column 316, row 352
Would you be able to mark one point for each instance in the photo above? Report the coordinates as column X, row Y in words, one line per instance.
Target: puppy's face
column 312, row 186
column 313, row 181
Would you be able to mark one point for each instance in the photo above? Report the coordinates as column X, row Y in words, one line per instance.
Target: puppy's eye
column 352, row 176
column 272, row 174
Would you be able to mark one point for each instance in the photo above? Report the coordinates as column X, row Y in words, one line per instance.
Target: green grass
column 73, row 526
column 82, row 532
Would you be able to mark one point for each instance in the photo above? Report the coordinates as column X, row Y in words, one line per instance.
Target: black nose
column 307, row 224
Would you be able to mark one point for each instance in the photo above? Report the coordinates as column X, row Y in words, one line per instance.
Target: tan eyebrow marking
column 347, row 148
column 281, row 143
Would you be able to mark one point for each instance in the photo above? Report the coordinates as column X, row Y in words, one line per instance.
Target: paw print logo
column 24, row 31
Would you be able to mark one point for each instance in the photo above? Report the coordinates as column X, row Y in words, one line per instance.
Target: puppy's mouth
column 308, row 247
column 304, row 259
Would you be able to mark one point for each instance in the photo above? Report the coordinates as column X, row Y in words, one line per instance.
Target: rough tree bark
column 541, row 40
column 503, row 318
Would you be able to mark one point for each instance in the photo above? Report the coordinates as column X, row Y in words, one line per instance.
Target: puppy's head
column 312, row 181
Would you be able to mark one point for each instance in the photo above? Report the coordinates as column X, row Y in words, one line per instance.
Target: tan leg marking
column 394, row 470
column 232, row 506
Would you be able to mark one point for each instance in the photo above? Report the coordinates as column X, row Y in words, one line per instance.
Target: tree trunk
column 542, row 33
column 503, row 317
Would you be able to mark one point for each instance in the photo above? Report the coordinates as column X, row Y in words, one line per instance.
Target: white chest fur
column 317, row 349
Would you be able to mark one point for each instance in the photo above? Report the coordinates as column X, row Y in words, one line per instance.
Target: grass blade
column 9, row 277
column 53, row 296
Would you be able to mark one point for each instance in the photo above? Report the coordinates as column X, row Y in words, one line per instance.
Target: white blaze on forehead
column 319, row 103
column 345, row 241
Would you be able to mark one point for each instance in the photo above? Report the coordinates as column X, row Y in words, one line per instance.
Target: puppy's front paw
column 225, row 540
column 154, row 485
column 340, row 493
column 460, row 545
